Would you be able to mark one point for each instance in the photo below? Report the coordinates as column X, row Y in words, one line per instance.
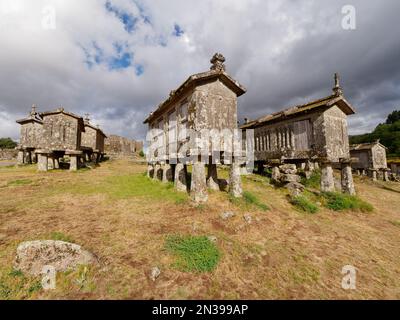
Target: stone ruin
column 206, row 102
column 120, row 146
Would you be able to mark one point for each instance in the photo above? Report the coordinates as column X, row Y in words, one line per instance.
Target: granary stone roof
column 366, row 146
column 61, row 110
column 336, row 98
column 88, row 124
column 217, row 71
column 33, row 117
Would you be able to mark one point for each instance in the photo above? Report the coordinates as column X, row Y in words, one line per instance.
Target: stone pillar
column 20, row 157
column 73, row 162
column 167, row 173
column 28, row 158
column 372, row 174
column 198, row 188
column 385, row 174
column 156, row 175
column 316, row 165
column 150, row 171
column 180, row 177
column 56, row 163
column 347, row 179
column 235, row 187
column 327, row 181
column 212, row 177
column 50, row 162
column 42, row 162
column 358, row 172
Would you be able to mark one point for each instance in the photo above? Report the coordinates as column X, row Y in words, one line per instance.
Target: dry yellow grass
column 282, row 254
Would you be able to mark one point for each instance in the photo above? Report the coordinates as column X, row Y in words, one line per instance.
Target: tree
column 393, row 117
column 7, row 143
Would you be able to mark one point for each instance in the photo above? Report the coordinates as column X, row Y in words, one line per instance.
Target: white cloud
column 284, row 52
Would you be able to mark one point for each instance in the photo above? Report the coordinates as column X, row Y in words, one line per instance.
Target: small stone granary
column 30, row 134
column 92, row 143
column 371, row 160
column 315, row 132
column 206, row 102
column 61, row 135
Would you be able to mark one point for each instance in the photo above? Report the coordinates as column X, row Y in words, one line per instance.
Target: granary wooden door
column 302, row 135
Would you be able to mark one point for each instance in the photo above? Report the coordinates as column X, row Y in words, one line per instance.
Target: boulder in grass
column 32, row 256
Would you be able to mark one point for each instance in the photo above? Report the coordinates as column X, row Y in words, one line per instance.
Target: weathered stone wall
column 335, row 132
column 31, row 133
column 89, row 138
column 8, row 154
column 120, row 145
column 60, row 132
column 364, row 159
column 379, row 157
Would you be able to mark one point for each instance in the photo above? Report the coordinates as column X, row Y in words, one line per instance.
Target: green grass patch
column 395, row 223
column 340, row 202
column 304, row 204
column 248, row 200
column 314, row 181
column 19, row 182
column 193, row 253
column 60, row 236
column 15, row 285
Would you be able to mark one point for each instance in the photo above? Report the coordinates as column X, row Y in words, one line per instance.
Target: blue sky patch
column 178, row 31
column 128, row 20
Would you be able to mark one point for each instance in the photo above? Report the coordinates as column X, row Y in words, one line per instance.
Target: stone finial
column 87, row 119
column 217, row 62
column 337, row 90
column 33, row 110
column 60, row 109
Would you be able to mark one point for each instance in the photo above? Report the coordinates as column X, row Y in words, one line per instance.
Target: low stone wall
column 8, row 154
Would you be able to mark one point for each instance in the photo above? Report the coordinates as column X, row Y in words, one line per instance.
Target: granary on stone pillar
column 61, row 135
column 311, row 132
column 206, row 102
column 92, row 143
column 371, row 159
column 30, row 135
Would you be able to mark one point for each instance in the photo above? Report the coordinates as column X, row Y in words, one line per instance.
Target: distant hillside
column 388, row 133
column 7, row 143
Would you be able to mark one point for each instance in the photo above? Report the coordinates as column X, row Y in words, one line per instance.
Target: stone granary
column 92, row 143
column 61, row 135
column 371, row 159
column 205, row 103
column 315, row 132
column 31, row 131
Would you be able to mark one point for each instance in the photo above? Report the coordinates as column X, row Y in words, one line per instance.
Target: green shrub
column 314, row 181
column 193, row 253
column 304, row 204
column 141, row 153
column 340, row 201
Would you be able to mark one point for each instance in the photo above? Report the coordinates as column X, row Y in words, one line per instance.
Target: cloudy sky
column 118, row 59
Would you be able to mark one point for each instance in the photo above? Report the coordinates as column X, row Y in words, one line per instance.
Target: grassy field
column 272, row 248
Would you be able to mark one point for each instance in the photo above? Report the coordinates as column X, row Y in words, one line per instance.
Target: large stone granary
column 371, row 159
column 204, row 105
column 309, row 133
column 30, row 134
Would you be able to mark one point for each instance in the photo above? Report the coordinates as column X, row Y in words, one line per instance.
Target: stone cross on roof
column 217, row 62
column 337, row 90
column 33, row 111
column 87, row 117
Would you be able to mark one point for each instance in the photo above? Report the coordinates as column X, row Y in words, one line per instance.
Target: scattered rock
column 288, row 168
column 32, row 256
column 276, row 175
column 155, row 273
column 247, row 217
column 295, row 188
column 227, row 215
column 212, row 238
column 286, row 178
